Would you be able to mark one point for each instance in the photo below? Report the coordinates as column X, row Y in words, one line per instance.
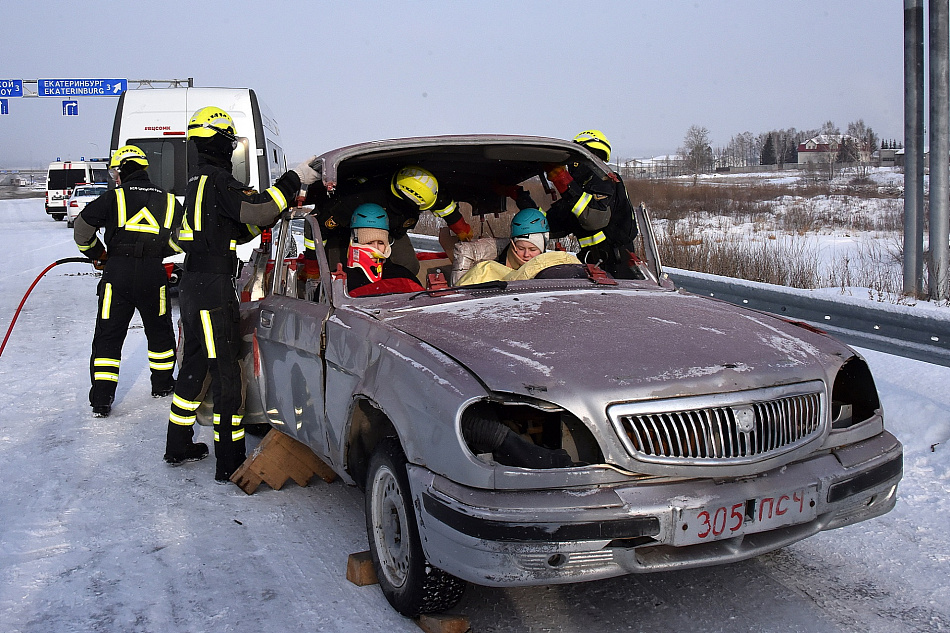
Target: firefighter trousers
column 211, row 345
column 129, row 284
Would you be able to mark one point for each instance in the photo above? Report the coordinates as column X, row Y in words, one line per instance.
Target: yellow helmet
column 416, row 184
column 209, row 121
column 128, row 152
column 595, row 141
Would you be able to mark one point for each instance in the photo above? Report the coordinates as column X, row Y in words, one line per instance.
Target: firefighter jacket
column 221, row 213
column 138, row 219
column 599, row 214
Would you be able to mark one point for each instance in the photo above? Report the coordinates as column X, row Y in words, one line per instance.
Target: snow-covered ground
column 98, row 534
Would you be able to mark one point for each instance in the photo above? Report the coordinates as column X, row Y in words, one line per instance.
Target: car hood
column 620, row 344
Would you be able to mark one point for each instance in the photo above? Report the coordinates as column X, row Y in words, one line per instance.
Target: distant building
column 656, row 167
column 824, row 149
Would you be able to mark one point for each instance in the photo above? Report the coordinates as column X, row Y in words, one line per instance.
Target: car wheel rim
column 390, row 527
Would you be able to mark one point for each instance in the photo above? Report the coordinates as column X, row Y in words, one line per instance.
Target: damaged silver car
column 554, row 430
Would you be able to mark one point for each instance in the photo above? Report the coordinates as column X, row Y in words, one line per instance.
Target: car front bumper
column 511, row 538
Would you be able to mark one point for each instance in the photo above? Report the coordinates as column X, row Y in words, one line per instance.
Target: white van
column 156, row 119
column 63, row 176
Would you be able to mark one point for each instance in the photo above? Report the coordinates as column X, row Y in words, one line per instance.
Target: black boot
column 193, row 452
column 179, row 446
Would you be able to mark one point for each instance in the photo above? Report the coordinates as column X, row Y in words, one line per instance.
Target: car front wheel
column 410, row 584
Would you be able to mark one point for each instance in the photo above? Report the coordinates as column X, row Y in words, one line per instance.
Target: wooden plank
column 278, row 458
column 359, row 569
column 443, row 623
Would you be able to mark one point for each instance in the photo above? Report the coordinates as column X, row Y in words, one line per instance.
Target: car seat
column 467, row 254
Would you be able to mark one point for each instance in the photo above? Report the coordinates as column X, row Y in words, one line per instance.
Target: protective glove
column 560, row 178
column 100, row 264
column 307, row 175
column 462, row 229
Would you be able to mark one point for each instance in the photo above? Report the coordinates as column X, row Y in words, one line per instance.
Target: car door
column 290, row 340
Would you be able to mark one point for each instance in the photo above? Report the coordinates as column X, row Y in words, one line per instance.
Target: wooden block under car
column 278, row 458
column 443, row 623
column 359, row 569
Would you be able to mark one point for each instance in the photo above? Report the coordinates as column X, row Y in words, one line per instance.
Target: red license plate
column 718, row 521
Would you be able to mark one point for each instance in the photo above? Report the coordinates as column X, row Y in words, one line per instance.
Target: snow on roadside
column 98, row 534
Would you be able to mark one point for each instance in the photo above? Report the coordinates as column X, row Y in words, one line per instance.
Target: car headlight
column 854, row 397
column 527, row 433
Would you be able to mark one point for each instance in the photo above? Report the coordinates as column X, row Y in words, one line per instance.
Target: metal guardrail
column 892, row 329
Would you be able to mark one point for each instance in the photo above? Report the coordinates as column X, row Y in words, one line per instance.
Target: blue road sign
column 11, row 87
column 4, row 106
column 81, row 87
column 70, row 108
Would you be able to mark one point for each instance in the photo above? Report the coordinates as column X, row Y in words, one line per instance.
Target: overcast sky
column 336, row 73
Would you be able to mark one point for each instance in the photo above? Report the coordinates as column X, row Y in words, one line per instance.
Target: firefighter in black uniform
column 596, row 210
column 404, row 195
column 220, row 213
column 138, row 219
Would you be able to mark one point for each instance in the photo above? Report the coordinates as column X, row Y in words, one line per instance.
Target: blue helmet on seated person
column 368, row 222
column 531, row 225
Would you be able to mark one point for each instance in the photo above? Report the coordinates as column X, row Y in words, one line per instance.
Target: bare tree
column 696, row 151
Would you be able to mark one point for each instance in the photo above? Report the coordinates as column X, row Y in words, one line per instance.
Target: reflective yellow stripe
column 87, row 246
column 105, row 362
column 236, row 420
column 107, row 301
column 185, row 234
column 187, row 405
column 161, row 366
column 596, row 238
column 309, row 244
column 161, row 355
column 209, row 333
column 253, row 230
column 170, row 211
column 182, row 420
column 235, row 435
column 199, row 198
column 161, row 301
column 278, row 197
column 233, row 245
column 581, row 205
column 447, row 211
column 175, row 247
column 120, row 205
column 143, row 222
column 104, row 375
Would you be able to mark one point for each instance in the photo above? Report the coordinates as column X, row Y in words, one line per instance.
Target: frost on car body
column 556, row 430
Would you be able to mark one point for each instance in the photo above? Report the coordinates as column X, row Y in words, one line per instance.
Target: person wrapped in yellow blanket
column 525, row 256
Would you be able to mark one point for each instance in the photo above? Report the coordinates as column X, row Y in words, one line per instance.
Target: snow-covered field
column 849, row 238
column 98, row 534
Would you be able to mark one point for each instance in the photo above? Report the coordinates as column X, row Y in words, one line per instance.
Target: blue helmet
column 369, row 216
column 528, row 221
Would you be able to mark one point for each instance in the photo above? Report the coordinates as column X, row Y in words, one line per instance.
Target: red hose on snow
column 67, row 260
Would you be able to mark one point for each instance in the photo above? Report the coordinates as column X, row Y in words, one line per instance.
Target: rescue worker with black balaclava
column 595, row 209
column 138, row 219
column 403, row 195
column 220, row 213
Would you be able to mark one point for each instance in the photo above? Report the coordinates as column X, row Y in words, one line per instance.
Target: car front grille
column 729, row 428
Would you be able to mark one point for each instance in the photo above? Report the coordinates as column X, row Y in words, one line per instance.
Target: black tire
column 69, row 224
column 411, row 585
column 59, row 217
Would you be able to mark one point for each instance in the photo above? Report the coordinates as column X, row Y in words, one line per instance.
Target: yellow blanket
column 493, row 271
